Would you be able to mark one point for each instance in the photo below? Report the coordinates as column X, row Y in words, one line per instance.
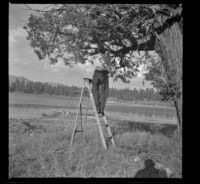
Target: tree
column 166, row 72
column 170, row 49
column 17, row 83
column 29, row 87
column 13, row 86
column 77, row 32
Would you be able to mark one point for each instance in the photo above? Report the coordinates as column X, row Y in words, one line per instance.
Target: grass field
column 40, row 128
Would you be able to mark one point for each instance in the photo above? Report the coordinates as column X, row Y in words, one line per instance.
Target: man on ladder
column 101, row 77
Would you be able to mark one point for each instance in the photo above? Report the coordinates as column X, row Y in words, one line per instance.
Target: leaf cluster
column 168, row 89
column 73, row 32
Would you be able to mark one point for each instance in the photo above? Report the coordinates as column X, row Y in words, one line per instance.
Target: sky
column 24, row 62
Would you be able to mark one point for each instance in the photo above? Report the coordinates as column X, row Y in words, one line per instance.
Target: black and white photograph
column 95, row 91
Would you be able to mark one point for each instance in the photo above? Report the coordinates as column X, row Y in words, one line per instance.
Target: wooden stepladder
column 88, row 85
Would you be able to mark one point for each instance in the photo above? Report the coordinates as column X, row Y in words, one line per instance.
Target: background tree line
column 41, row 88
column 127, row 94
column 46, row 88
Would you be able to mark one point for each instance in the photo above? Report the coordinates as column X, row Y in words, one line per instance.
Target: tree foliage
column 73, row 32
column 76, row 32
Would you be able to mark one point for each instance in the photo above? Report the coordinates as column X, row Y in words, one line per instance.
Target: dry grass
column 47, row 154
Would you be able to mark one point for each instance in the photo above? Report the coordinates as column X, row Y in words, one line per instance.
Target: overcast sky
column 24, row 62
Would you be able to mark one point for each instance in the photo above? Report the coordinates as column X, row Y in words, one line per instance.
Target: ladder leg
column 109, row 131
column 86, row 110
column 76, row 118
column 81, row 119
column 97, row 118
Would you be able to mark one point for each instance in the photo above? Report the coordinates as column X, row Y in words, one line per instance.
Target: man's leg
column 95, row 90
column 104, row 94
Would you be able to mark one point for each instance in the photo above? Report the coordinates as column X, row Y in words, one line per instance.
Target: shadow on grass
column 153, row 128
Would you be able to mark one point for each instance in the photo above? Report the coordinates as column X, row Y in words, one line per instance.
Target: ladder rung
column 78, row 130
column 109, row 137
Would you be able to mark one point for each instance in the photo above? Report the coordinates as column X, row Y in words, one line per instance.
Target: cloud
column 86, row 69
column 20, row 51
column 57, row 68
column 15, row 35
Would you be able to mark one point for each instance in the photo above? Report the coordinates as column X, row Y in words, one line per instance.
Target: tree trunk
column 169, row 46
column 178, row 106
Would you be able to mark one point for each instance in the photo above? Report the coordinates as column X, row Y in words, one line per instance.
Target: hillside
column 13, row 78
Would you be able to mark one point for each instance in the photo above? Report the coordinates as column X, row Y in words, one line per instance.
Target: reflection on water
column 147, row 111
